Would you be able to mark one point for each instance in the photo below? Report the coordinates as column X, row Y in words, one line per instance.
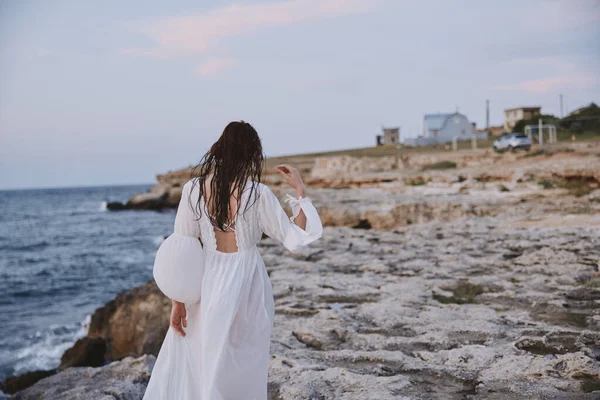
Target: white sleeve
column 186, row 220
column 178, row 265
column 276, row 224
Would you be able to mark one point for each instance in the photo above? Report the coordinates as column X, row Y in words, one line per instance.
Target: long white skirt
column 225, row 353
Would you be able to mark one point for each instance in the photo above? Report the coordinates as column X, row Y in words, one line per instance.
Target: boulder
column 148, row 201
column 115, row 206
column 13, row 384
column 119, row 380
column 132, row 324
column 86, row 352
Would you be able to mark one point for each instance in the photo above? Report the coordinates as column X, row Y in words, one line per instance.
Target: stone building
column 390, row 136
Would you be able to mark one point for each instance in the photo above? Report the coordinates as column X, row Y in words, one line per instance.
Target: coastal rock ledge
column 119, row 380
column 475, row 309
column 470, row 283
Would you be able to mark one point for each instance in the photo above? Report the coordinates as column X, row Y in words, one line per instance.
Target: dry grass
column 307, row 160
column 440, row 165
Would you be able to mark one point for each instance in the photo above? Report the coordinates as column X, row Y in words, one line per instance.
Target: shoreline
column 453, row 281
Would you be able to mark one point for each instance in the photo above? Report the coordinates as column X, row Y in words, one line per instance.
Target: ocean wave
column 62, row 253
column 47, row 346
column 37, row 291
column 26, row 247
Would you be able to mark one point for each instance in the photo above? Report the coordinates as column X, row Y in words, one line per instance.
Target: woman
column 218, row 348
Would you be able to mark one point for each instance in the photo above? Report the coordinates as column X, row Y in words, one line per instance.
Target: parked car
column 513, row 142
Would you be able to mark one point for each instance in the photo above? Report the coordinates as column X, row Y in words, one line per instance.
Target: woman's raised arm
column 274, row 221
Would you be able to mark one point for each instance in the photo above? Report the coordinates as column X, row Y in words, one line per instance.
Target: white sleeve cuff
column 296, row 204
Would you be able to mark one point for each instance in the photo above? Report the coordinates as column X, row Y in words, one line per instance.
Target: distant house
column 496, row 130
column 514, row 115
column 443, row 128
column 390, row 136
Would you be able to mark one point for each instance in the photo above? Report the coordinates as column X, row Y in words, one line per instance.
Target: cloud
column 550, row 84
column 43, row 52
column 559, row 15
column 185, row 35
column 213, row 65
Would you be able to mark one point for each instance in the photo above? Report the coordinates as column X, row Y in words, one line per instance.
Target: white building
column 443, row 128
column 514, row 115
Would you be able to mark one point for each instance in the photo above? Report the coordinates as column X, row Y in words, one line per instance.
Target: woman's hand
column 178, row 317
column 292, row 176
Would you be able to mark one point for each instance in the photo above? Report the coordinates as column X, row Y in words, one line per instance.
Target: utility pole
column 540, row 135
column 561, row 106
column 487, row 115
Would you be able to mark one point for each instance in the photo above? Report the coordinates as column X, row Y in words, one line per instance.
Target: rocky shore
column 479, row 281
column 397, row 179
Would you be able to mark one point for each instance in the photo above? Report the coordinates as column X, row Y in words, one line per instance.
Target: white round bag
column 179, row 268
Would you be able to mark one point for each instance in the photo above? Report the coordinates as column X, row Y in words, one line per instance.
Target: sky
column 112, row 92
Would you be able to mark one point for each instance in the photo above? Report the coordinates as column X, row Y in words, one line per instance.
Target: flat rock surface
column 121, row 380
column 475, row 309
column 480, row 282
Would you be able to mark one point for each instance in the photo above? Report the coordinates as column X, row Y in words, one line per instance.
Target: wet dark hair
column 232, row 160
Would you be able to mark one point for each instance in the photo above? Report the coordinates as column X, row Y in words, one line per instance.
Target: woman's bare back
column 226, row 239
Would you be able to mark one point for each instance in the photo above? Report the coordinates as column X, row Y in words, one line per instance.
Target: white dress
column 225, row 353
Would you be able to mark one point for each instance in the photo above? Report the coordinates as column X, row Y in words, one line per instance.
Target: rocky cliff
column 482, row 308
column 477, row 281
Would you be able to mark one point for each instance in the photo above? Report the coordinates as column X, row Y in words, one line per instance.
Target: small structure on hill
column 514, row 115
column 390, row 136
column 496, row 131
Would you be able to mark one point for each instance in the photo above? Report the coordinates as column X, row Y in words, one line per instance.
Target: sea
column 63, row 255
